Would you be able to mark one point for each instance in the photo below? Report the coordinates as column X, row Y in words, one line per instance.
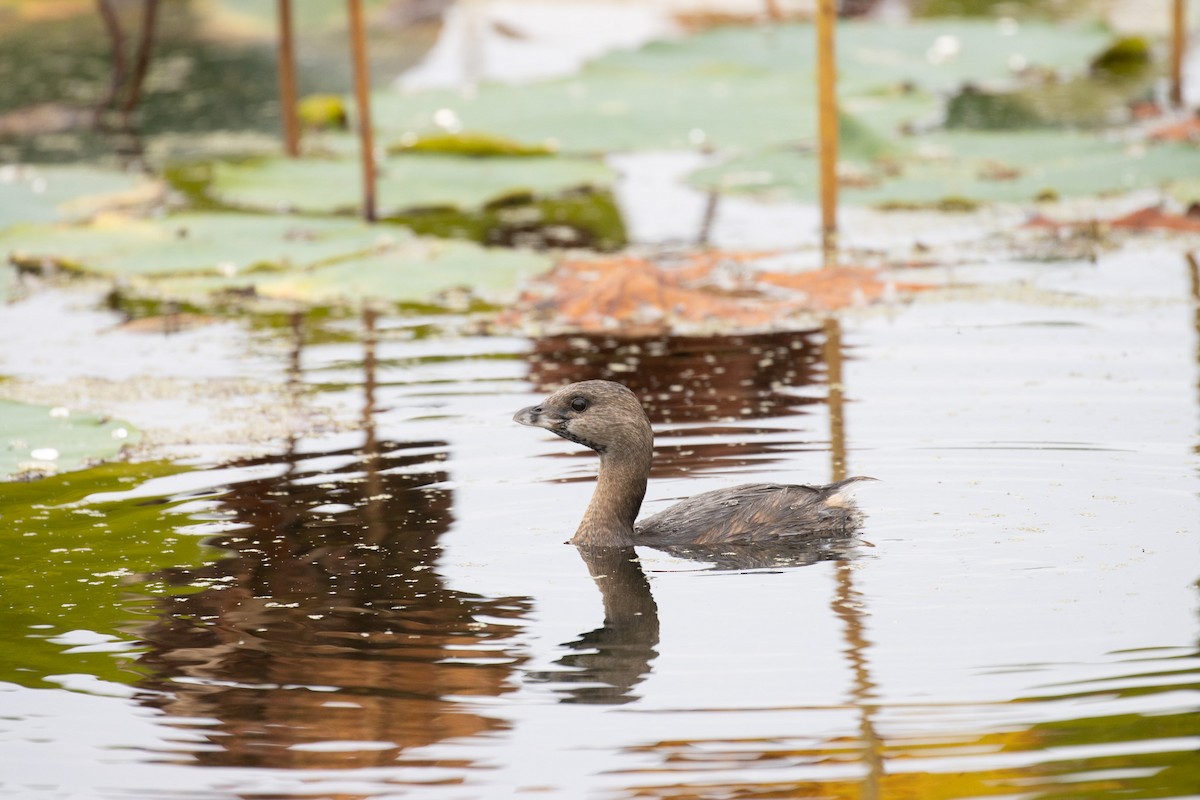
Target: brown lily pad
column 1154, row 218
column 831, row 289
column 709, row 290
column 1187, row 130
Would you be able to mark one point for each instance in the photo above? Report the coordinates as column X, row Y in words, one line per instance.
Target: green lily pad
column 68, row 193
column 405, row 183
column 417, row 273
column 206, row 259
column 36, row 440
column 192, row 244
column 1187, row 190
column 412, row 272
column 985, row 167
column 746, row 87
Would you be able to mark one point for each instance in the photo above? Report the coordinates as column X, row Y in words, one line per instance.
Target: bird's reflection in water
column 606, row 664
column 770, row 555
column 328, row 620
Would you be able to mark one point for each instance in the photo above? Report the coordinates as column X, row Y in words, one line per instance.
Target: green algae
column 73, row 561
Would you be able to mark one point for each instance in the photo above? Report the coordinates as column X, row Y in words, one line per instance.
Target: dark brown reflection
column 703, row 382
column 349, row 601
column 327, row 619
column 611, row 660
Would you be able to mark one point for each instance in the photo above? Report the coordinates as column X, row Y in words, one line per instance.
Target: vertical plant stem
column 287, row 81
column 362, row 97
column 112, row 24
column 141, row 60
column 1178, row 46
column 827, row 126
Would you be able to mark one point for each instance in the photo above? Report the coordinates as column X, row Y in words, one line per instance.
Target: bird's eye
column 579, row 404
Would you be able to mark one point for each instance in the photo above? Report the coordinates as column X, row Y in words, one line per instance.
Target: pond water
column 392, row 611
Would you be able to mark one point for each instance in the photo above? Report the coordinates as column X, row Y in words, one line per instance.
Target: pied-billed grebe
column 608, row 418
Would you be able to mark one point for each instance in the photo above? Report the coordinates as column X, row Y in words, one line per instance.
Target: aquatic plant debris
column 1151, row 218
column 474, row 144
column 708, row 290
column 1185, row 130
column 40, row 440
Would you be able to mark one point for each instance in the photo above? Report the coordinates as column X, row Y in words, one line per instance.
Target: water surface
column 392, row 611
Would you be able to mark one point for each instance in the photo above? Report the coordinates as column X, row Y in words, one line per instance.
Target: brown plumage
column 608, row 418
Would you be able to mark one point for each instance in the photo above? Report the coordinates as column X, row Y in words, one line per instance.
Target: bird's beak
column 535, row 417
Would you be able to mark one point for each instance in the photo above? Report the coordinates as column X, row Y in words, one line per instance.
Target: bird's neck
column 620, row 488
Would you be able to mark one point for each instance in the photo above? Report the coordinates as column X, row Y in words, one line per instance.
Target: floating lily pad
column 35, row 440
column 192, row 243
column 745, row 87
column 425, row 272
column 68, row 193
column 1187, row 190
column 422, row 272
column 983, row 167
column 405, row 183
column 202, row 259
column 579, row 217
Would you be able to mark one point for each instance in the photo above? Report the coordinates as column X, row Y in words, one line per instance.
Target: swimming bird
column 607, row 417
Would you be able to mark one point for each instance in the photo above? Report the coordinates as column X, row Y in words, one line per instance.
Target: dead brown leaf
column 167, row 323
column 709, row 289
column 1186, row 131
column 831, row 289
column 1144, row 219
column 998, row 171
column 1154, row 218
